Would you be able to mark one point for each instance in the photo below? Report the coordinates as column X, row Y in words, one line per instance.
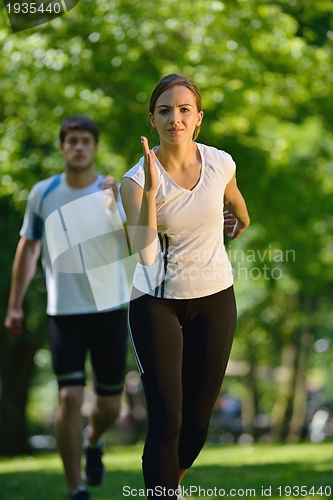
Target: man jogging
column 67, row 217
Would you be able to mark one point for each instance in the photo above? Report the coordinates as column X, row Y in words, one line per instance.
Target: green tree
column 265, row 72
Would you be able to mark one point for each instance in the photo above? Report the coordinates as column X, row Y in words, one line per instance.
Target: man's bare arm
column 24, row 268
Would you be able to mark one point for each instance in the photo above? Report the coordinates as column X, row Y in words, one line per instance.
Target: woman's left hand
column 237, row 230
column 229, row 221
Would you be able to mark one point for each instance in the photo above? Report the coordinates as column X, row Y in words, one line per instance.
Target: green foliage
column 265, row 71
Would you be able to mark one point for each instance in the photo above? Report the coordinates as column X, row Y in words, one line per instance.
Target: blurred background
column 265, row 72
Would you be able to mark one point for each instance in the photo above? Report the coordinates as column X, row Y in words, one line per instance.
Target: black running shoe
column 94, row 468
column 79, row 495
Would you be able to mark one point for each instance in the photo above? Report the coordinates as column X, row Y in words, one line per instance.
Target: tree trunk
column 16, row 353
column 279, row 415
column 16, row 369
column 250, row 404
column 300, row 397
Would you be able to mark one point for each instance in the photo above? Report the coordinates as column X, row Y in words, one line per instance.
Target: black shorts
column 104, row 335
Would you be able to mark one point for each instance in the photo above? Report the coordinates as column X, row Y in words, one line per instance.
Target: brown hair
column 171, row 81
column 78, row 122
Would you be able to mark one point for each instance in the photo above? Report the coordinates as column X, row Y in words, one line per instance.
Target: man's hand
column 24, row 268
column 109, row 185
column 110, row 182
column 14, row 321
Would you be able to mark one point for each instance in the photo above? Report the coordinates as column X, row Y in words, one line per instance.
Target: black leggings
column 182, row 349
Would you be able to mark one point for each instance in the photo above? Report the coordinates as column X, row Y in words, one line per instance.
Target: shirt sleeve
column 221, row 160
column 33, row 224
column 229, row 166
column 137, row 173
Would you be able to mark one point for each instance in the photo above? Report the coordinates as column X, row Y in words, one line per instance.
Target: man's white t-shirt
column 82, row 253
column 191, row 260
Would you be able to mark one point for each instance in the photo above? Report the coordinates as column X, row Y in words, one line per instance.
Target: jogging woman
column 182, row 313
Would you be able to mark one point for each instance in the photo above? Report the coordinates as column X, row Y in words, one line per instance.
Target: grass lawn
column 257, row 471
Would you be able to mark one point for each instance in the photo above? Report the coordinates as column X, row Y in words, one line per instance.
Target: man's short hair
column 78, row 122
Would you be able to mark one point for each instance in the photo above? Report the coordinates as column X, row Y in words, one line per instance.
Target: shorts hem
column 101, row 392
column 66, row 383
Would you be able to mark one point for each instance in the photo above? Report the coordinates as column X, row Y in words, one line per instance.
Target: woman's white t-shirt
column 191, row 260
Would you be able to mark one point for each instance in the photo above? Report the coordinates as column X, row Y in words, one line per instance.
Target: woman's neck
column 177, row 156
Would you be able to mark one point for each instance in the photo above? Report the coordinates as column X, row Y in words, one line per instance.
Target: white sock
column 86, row 440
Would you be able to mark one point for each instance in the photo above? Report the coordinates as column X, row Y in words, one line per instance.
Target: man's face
column 79, row 149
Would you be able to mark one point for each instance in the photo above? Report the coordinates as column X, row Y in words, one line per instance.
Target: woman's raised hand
column 151, row 176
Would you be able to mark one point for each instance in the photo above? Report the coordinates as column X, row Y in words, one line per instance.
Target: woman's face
column 176, row 115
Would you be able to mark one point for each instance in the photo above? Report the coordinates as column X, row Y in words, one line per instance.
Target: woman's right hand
column 151, row 175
